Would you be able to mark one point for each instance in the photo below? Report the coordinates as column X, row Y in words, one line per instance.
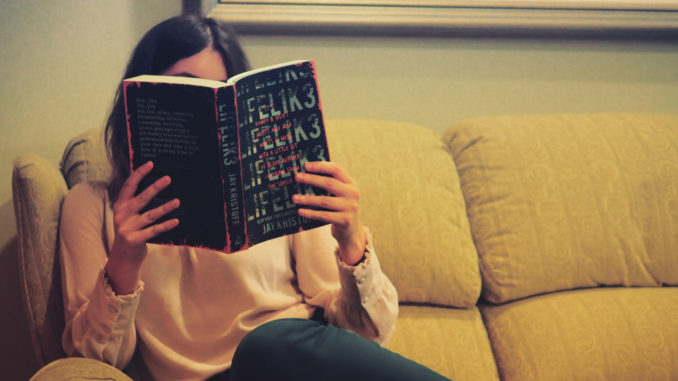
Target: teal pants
column 302, row 349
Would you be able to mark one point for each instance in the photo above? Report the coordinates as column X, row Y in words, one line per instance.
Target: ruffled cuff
column 358, row 281
column 112, row 315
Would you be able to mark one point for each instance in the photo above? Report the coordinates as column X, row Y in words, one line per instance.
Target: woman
column 270, row 312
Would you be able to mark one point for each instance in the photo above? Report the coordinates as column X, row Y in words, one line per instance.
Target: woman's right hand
column 133, row 229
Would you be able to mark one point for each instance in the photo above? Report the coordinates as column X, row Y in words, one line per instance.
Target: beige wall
column 437, row 81
column 61, row 62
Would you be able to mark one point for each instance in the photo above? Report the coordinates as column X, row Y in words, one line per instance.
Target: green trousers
column 302, row 349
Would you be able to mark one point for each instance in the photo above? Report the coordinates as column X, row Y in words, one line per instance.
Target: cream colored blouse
column 196, row 305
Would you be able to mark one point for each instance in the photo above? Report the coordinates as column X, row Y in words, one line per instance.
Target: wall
column 61, row 62
column 437, row 81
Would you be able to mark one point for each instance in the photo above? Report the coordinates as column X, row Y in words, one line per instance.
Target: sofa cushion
column 557, row 202
column 84, row 158
column 412, row 202
column 77, row 368
column 451, row 341
column 592, row 334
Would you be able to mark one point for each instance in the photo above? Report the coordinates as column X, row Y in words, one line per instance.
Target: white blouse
column 195, row 305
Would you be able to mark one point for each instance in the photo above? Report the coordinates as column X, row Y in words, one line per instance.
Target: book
column 231, row 149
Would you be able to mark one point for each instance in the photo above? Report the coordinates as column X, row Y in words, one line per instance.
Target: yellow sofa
column 537, row 247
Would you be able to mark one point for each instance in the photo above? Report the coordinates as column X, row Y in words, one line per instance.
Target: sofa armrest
column 78, row 368
column 38, row 190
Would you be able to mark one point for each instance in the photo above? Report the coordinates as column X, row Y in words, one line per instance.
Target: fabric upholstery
column 38, row 190
column 451, row 341
column 76, row 368
column 558, row 202
column 412, row 203
column 595, row 334
column 554, row 203
column 84, row 158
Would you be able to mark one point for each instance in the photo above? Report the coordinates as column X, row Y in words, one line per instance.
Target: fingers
column 339, row 218
column 129, row 206
column 136, row 228
column 139, row 228
column 340, row 184
column 143, row 198
column 144, row 235
column 129, row 187
column 132, row 240
column 341, row 210
column 326, row 202
column 329, row 168
column 150, row 216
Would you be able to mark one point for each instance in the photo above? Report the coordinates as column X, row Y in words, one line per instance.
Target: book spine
column 234, row 203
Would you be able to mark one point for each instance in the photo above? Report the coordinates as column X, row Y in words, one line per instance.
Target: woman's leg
column 301, row 349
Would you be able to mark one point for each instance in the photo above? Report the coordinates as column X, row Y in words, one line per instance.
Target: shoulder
column 85, row 197
column 88, row 189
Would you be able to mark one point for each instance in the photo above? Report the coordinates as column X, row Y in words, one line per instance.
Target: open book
column 231, row 150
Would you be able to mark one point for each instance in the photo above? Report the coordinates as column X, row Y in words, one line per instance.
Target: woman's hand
column 342, row 210
column 133, row 230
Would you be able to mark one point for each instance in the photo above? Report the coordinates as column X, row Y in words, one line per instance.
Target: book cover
column 231, row 150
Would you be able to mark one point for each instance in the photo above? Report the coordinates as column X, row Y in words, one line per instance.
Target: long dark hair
column 159, row 49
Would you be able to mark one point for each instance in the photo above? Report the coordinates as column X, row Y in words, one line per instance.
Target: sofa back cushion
column 412, row 202
column 84, row 158
column 567, row 201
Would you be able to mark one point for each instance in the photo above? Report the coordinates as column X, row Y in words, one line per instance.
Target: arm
column 360, row 297
column 99, row 324
column 101, row 287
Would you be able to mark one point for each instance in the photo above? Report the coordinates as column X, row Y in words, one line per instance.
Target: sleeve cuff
column 111, row 315
column 358, row 281
column 364, row 262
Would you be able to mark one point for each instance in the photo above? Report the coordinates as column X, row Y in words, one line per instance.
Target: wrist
column 353, row 251
column 124, row 277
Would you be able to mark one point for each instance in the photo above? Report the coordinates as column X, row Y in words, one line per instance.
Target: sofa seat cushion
column 453, row 342
column 558, row 202
column 589, row 334
column 412, row 202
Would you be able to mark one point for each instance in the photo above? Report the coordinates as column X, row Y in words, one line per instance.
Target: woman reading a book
column 309, row 306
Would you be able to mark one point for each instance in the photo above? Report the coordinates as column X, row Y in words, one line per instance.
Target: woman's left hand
column 340, row 210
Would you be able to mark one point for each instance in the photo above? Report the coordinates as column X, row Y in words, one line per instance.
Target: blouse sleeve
column 358, row 298
column 99, row 323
